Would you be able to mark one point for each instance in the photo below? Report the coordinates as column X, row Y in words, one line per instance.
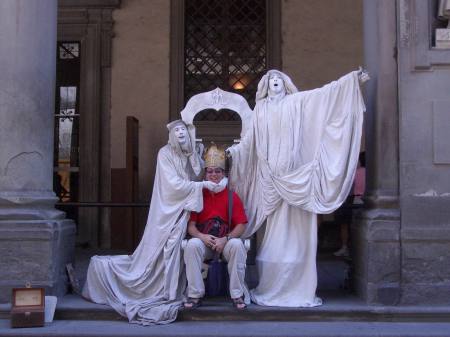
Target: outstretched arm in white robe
column 331, row 130
column 323, row 127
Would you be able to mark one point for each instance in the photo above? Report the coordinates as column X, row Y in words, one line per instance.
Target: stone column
column 35, row 239
column 375, row 232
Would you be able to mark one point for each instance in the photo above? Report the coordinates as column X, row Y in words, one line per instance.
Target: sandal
column 239, row 303
column 192, row 303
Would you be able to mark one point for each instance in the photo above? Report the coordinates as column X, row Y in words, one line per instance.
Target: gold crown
column 214, row 157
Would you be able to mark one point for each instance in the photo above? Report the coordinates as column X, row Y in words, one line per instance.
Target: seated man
column 225, row 241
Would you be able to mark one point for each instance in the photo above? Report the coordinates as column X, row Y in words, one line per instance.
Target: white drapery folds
column 147, row 287
column 299, row 159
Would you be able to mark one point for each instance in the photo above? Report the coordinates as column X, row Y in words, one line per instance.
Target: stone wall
column 321, row 40
column 424, row 82
column 140, row 82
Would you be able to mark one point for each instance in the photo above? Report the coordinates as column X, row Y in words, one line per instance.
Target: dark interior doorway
column 66, row 160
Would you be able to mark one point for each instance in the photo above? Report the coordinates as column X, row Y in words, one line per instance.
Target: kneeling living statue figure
column 147, row 287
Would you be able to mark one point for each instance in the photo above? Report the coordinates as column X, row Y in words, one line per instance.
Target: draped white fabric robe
column 147, row 287
column 299, row 159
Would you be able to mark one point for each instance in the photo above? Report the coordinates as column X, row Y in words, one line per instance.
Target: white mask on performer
column 276, row 85
column 181, row 134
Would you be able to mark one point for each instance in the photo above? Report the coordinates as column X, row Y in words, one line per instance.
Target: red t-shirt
column 217, row 205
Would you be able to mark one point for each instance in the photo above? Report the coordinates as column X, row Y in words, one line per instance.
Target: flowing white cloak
column 299, row 159
column 147, row 287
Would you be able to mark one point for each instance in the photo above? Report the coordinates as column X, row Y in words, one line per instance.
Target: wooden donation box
column 28, row 307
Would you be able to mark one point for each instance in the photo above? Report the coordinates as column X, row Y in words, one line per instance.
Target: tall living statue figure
column 147, row 287
column 298, row 160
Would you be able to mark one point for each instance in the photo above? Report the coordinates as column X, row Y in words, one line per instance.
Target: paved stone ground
column 342, row 314
column 339, row 316
column 229, row 329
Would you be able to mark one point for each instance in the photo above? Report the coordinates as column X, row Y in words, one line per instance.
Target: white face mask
column 276, row 84
column 180, row 132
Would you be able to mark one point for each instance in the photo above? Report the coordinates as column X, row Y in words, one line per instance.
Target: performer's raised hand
column 228, row 152
column 363, row 75
column 200, row 149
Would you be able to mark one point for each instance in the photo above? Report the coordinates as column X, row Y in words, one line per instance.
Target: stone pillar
column 35, row 239
column 375, row 232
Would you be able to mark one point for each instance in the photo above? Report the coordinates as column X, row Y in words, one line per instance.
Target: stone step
column 337, row 307
column 74, row 328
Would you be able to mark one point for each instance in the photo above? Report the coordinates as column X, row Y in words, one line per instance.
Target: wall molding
column 415, row 33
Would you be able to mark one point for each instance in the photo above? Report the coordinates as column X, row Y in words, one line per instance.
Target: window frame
column 177, row 9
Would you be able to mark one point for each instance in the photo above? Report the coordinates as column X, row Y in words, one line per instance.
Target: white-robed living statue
column 147, row 286
column 298, row 160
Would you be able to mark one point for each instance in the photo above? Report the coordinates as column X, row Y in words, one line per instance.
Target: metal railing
column 102, row 204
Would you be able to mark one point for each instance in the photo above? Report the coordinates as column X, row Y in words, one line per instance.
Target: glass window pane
column 68, row 100
column 225, row 46
column 69, row 50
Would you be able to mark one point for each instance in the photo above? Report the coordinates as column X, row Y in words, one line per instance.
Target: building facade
column 144, row 59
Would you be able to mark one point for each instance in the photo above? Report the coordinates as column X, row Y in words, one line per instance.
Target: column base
column 377, row 259
column 35, row 251
column 443, row 38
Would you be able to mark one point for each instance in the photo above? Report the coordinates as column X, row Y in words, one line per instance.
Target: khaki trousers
column 196, row 252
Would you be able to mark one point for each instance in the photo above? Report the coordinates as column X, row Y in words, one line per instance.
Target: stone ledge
column 231, row 329
column 336, row 308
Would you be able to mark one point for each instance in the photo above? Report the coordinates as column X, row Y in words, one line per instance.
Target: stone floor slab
column 231, row 329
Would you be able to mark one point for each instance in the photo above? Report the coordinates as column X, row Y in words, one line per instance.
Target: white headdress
column 190, row 151
column 263, row 85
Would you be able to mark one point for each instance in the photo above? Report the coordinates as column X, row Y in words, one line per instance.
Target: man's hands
column 213, row 242
column 208, row 240
column 363, row 75
column 219, row 244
